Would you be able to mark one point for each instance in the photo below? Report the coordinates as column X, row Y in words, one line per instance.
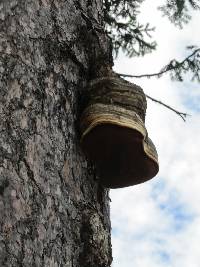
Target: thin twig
column 143, row 75
column 181, row 114
column 164, row 70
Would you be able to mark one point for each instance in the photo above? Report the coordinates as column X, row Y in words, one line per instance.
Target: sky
column 157, row 223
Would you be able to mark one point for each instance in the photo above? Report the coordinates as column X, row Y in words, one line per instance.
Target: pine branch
column 181, row 114
column 190, row 63
column 178, row 11
column 123, row 27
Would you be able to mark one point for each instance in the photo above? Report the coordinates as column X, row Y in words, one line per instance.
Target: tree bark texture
column 53, row 211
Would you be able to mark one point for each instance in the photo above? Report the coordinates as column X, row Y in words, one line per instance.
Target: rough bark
column 53, row 212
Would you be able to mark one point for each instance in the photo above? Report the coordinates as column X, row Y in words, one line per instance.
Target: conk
column 114, row 136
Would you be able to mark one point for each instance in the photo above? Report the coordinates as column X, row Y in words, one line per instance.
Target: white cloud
column 158, row 223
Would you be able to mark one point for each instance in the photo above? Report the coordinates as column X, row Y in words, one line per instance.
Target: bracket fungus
column 113, row 133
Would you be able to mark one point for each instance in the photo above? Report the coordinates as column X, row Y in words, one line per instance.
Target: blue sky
column 157, row 223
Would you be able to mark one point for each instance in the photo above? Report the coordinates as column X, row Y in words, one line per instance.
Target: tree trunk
column 53, row 211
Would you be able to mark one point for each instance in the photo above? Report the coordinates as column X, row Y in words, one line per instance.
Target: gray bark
column 53, row 211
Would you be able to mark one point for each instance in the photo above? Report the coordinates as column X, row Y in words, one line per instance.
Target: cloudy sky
column 157, row 224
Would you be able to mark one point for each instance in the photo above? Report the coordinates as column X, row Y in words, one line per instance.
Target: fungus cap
column 114, row 136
